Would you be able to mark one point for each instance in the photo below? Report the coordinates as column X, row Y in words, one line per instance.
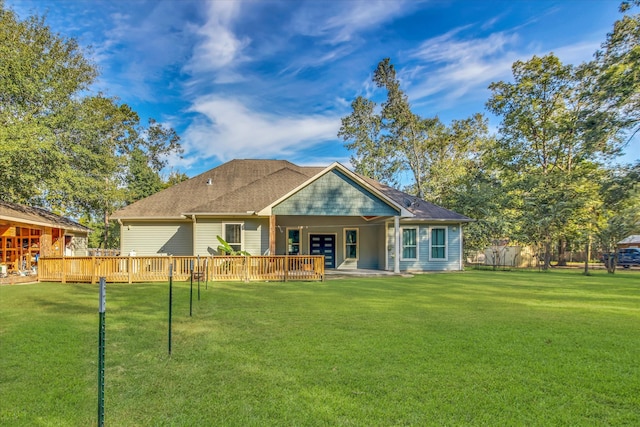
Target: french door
column 324, row 244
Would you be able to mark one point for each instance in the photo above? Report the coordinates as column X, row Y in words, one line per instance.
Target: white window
column 438, row 243
column 409, row 241
column 351, row 243
column 232, row 234
column 293, row 241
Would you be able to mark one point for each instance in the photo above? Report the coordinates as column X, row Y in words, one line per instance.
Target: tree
column 618, row 216
column 395, row 140
column 64, row 148
column 40, row 76
column 406, row 133
column 546, row 144
column 616, row 88
column 452, row 156
column 373, row 155
column 174, row 178
column 142, row 180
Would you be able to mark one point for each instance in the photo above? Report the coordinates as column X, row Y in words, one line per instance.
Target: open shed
column 27, row 233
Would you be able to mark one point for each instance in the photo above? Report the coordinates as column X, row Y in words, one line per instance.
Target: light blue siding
column 334, row 194
column 423, row 263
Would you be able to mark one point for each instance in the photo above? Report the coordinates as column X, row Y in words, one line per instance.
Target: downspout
column 193, row 235
column 396, row 261
column 121, row 234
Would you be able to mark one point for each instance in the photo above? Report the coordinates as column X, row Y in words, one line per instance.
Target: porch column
column 272, row 235
column 461, row 247
column 396, row 259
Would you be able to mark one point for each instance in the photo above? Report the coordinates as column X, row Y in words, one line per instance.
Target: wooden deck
column 125, row 269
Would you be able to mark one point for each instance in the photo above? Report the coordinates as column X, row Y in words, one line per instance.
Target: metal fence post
column 101, row 345
column 170, row 302
column 198, row 273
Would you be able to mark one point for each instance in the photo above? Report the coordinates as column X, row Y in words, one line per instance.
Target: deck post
column 286, row 268
column 129, row 268
column 64, row 271
column 272, row 235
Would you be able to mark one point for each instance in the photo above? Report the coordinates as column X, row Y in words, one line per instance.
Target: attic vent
column 209, row 181
column 411, row 203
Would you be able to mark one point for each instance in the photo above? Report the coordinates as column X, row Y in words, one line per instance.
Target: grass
column 475, row 348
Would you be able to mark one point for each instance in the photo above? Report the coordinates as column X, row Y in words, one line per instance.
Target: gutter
column 158, row 218
column 443, row 221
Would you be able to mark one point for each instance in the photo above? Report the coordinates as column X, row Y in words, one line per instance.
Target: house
column 276, row 207
column 632, row 241
column 27, row 233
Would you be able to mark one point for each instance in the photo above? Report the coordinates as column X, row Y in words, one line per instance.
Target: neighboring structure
column 27, row 233
column 503, row 255
column 632, row 241
column 275, row 207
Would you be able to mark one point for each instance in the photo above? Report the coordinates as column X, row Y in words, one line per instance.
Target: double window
column 438, row 243
column 351, row 243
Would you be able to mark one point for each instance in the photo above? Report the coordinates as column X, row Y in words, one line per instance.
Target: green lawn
column 473, row 348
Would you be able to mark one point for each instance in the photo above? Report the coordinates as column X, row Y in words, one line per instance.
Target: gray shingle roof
column 242, row 186
column 234, row 187
column 420, row 208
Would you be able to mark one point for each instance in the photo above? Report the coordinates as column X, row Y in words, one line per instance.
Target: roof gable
column 335, row 194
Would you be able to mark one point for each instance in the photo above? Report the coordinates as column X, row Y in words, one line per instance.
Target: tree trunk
column 587, row 256
column 106, row 229
column 547, row 255
column 562, row 252
column 611, row 263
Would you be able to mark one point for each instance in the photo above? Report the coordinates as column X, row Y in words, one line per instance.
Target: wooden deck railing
column 156, row 268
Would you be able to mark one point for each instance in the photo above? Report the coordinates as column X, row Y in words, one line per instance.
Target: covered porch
column 348, row 243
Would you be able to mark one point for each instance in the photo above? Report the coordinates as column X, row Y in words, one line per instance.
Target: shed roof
column 17, row 213
column 633, row 239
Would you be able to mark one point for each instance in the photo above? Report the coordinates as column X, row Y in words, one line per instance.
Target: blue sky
column 271, row 79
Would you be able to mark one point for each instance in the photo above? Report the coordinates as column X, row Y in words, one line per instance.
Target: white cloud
column 218, row 46
column 446, row 48
column 452, row 66
column 576, row 53
column 347, row 18
column 227, row 129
